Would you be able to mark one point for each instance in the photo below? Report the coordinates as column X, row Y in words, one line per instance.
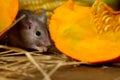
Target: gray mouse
column 31, row 32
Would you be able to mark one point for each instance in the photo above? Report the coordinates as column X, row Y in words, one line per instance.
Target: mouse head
column 34, row 32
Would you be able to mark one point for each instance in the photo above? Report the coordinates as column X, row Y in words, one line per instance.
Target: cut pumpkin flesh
column 89, row 34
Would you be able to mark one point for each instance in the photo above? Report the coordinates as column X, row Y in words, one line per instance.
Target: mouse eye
column 38, row 33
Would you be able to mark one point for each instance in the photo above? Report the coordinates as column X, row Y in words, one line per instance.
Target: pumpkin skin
column 88, row 34
column 9, row 9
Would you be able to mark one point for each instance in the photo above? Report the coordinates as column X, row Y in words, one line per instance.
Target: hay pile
column 16, row 63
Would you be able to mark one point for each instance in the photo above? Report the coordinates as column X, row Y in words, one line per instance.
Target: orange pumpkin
column 89, row 34
column 9, row 9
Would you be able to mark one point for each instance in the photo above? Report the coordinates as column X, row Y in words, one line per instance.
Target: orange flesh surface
column 74, row 32
column 9, row 9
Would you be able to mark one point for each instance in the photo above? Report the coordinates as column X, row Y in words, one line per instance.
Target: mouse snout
column 46, row 43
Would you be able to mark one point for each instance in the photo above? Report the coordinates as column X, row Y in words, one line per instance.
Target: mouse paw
column 39, row 48
column 42, row 49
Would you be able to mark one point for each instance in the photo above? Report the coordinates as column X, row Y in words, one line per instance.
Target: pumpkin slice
column 89, row 34
column 9, row 9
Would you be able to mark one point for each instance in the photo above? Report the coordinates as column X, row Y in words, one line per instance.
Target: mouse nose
column 47, row 43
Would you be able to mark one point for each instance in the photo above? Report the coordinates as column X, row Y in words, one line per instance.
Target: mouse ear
column 27, row 24
column 43, row 17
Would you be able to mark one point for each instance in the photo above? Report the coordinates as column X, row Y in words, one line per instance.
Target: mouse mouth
column 38, row 48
